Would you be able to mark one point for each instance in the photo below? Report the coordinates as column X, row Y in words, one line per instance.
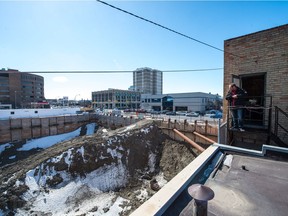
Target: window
column 156, row 100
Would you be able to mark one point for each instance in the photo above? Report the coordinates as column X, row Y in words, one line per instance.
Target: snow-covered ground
column 89, row 195
column 79, row 196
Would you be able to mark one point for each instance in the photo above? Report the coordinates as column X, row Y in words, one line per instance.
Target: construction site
column 132, row 162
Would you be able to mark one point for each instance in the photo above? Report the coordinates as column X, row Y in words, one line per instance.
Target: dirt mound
column 133, row 162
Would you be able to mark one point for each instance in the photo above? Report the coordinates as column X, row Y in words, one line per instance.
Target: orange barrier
column 194, row 144
column 203, row 137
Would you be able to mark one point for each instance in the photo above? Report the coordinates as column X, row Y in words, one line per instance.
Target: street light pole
column 75, row 98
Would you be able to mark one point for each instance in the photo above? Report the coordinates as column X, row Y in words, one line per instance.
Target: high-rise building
column 148, row 81
column 20, row 89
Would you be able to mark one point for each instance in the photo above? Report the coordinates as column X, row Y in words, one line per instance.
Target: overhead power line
column 164, row 27
column 112, row 71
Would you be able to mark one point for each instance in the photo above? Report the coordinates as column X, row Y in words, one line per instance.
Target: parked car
column 200, row 113
column 171, row 113
column 140, row 111
column 209, row 114
column 116, row 112
column 217, row 115
column 182, row 113
column 164, row 111
column 192, row 114
column 154, row 112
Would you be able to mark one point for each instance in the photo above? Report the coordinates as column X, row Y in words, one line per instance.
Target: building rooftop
column 245, row 182
column 248, row 186
column 261, row 31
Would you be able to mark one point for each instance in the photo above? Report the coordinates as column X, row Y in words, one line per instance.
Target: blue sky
column 87, row 35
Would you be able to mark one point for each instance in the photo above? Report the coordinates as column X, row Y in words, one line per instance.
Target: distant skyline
column 90, row 36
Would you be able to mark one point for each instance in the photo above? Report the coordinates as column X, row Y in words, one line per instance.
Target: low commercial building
column 190, row 102
column 116, row 98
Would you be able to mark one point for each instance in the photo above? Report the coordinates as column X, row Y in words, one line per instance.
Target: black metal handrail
column 254, row 105
column 277, row 122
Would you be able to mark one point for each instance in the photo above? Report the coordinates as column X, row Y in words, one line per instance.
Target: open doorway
column 254, row 84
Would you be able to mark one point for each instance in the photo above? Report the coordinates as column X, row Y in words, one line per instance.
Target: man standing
column 236, row 102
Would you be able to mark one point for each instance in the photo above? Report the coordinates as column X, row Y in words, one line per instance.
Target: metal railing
column 222, row 133
column 257, row 114
column 281, row 125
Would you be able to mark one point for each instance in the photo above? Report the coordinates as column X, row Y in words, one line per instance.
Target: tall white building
column 148, row 81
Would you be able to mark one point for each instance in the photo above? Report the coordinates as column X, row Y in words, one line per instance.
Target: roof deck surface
column 250, row 186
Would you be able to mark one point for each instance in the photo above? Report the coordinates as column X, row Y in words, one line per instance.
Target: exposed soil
column 135, row 148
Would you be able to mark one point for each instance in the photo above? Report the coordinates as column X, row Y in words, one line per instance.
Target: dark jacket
column 240, row 100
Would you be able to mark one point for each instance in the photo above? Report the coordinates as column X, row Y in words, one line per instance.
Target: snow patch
column 152, row 162
column 143, row 194
column 114, row 153
column 12, row 157
column 130, row 127
column 79, row 196
column 1, row 213
column 145, row 130
column 11, row 178
column 4, row 146
column 81, row 151
column 69, row 156
column 160, row 179
column 90, row 128
column 46, row 142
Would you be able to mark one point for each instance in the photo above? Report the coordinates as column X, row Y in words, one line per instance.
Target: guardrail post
column 185, row 122
column 206, row 126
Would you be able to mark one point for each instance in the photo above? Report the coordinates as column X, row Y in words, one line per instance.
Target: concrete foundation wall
column 115, row 121
column 28, row 128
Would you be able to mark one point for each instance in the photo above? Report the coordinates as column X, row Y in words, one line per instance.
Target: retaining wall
column 202, row 127
column 29, row 128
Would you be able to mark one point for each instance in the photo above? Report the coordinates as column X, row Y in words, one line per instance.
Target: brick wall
column 261, row 52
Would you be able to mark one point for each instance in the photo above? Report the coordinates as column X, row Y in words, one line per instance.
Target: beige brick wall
column 261, row 52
